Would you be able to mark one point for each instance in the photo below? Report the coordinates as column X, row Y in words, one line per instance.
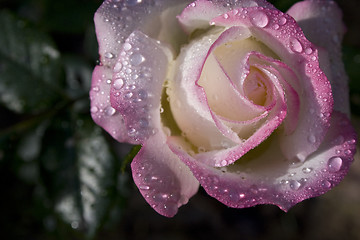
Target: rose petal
column 164, row 181
column 322, row 24
column 101, row 110
column 282, row 35
column 276, row 116
column 266, row 177
column 188, row 101
column 115, row 20
column 138, row 78
column 198, row 14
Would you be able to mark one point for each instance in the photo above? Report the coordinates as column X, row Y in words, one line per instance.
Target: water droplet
column 161, row 110
column 127, row 46
column 109, row 55
column 223, row 163
column 118, row 83
column 118, row 67
column 312, row 139
column 348, row 152
column 133, row 2
column 334, row 164
column 276, row 26
column 307, row 170
column 241, row 195
column 96, row 89
column 226, row 16
column 259, row 19
column 309, row 50
column 129, row 95
column 94, row 109
column 131, row 131
column 136, row 59
column 295, row 185
column 282, row 21
column 108, row 81
column 144, row 187
column 326, row 184
column 295, row 45
column 110, row 111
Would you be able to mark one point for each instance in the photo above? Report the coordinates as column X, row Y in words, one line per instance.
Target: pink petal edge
column 243, row 187
column 137, row 83
column 322, row 24
column 165, row 182
column 268, row 26
column 101, row 110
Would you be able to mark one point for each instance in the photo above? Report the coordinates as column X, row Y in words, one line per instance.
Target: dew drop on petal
column 295, row 185
column 96, row 89
column 110, row 111
column 309, row 50
column 307, row 170
column 223, row 163
column 334, row 164
column 276, row 26
column 118, row 83
column 295, row 45
column 326, row 184
column 136, row 59
column 94, row 109
column 117, row 67
column 259, row 19
column 144, row 187
column 312, row 139
column 127, row 46
column 109, row 55
column 282, row 21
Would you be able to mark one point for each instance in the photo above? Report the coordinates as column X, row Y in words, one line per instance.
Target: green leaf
column 29, row 67
column 129, row 157
column 78, row 75
column 80, row 173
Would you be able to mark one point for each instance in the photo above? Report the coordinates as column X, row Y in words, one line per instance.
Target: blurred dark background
column 62, row 177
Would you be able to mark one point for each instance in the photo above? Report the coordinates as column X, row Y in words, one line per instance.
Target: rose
column 235, row 95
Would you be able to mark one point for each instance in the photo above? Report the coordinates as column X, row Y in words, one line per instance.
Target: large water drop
column 334, row 164
column 259, row 19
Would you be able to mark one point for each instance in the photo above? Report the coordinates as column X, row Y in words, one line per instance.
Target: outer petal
column 262, row 180
column 199, row 13
column 322, row 24
column 137, row 84
column 115, row 20
column 101, row 110
column 165, row 182
column 281, row 34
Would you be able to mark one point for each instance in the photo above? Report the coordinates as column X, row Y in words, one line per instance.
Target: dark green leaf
column 129, row 157
column 78, row 75
column 80, row 173
column 29, row 67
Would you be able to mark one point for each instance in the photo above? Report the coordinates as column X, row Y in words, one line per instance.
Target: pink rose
column 250, row 102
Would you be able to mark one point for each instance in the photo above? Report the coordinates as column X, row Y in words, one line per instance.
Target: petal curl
column 322, row 24
column 101, row 110
column 115, row 20
column 266, row 177
column 165, row 182
column 136, row 89
column 281, row 34
column 198, row 14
